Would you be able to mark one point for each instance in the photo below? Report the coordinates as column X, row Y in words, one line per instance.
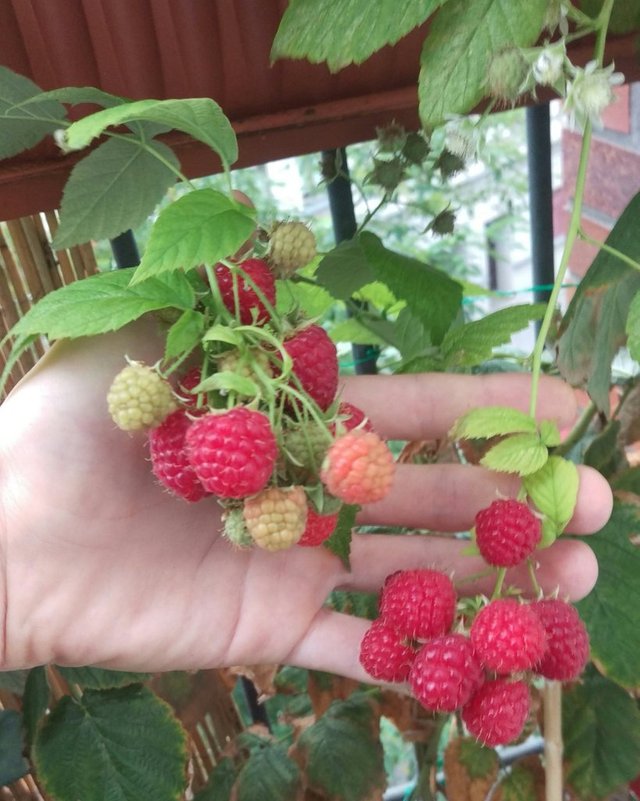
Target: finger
column 425, row 405
column 569, row 566
column 447, row 497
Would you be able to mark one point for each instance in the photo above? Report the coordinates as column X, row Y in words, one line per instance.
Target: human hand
column 100, row 566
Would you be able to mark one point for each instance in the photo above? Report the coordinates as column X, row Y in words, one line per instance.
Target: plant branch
column 608, row 249
column 578, row 431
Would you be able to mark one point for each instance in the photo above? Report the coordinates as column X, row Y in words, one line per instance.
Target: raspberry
column 358, row 467
column 249, row 302
column 233, row 452
column 291, row 246
column 253, row 364
column 420, row 604
column 276, row 517
column 508, row 636
column 350, row 417
column 384, row 654
column 507, row 532
column 318, row 529
column 169, row 460
column 567, row 640
column 445, row 673
column 497, row 712
column 306, row 445
column 315, row 363
column 139, row 398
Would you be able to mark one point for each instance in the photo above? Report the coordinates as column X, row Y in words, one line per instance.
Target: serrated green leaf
column 380, row 296
column 492, row 421
column 92, row 678
column 412, row 340
column 473, row 343
column 343, row 32
column 457, row 51
column 611, row 611
column 103, row 302
column 346, row 735
column 313, row 300
column 12, row 764
column 185, row 334
column 431, row 296
column 200, row 117
column 220, row 782
column 352, row 330
column 269, row 774
column 593, row 328
column 201, row 227
column 23, row 127
column 344, row 270
column 605, row 452
column 554, row 489
column 228, row 381
column 339, row 543
column 116, row 187
column 123, row 744
column 222, row 333
column 550, row 433
column 601, row 732
column 13, row 680
column 519, row 453
column 35, row 701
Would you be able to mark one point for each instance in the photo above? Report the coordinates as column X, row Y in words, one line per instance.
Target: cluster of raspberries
column 481, row 664
column 262, row 460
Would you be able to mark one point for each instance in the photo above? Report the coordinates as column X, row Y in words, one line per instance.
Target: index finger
column 426, row 405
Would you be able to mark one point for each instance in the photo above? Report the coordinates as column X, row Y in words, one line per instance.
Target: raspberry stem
column 497, row 590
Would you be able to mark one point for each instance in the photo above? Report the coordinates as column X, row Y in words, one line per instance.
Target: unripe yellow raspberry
column 291, row 246
column 276, row 517
column 139, row 398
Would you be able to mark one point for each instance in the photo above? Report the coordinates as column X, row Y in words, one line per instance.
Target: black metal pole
column 540, row 198
column 343, row 218
column 125, row 250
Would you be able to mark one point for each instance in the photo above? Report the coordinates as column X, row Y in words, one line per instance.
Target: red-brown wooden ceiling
column 204, row 48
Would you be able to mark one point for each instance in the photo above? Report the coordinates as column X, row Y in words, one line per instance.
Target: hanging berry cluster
column 257, row 423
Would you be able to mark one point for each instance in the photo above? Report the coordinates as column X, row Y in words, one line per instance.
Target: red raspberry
column 384, row 654
column 420, row 604
column 169, row 460
column 567, row 640
column 315, row 363
column 353, row 417
column 497, row 712
column 445, row 673
column 507, row 532
column 358, row 468
column 233, row 452
column 249, row 303
column 508, row 636
column 634, row 786
column 186, row 386
column 318, row 529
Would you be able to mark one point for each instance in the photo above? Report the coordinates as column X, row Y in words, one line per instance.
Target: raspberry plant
column 245, row 373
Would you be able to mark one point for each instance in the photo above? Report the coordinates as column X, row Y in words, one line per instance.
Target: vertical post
column 343, row 218
column 125, row 250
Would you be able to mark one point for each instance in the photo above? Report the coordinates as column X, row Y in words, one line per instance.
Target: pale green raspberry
column 291, row 245
column 139, row 398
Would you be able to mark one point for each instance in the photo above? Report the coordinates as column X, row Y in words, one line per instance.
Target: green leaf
column 20, row 127
column 201, row 227
column 605, row 452
column 478, row 760
column 461, row 42
column 116, row 187
column 431, row 296
column 352, row 330
column 632, row 328
column 184, row 334
column 220, row 782
column 554, row 489
column 103, row 302
column 345, row 736
column 344, row 270
column 92, row 678
column 339, row 543
column 228, row 381
column 601, row 729
column 13, row 680
column 343, row 32
column 73, row 95
column 223, row 333
column 35, row 701
column 411, row 338
column 200, row 117
column 492, row 421
column 550, row 533
column 593, row 328
column 12, row 764
column 269, row 775
column 520, row 453
column 611, row 611
column 313, row 300
column 549, row 433
column 123, row 744
column 625, row 15
column 473, row 343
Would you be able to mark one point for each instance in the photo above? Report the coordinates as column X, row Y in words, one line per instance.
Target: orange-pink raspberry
column 358, row 467
column 318, row 529
column 384, row 654
column 246, row 277
column 169, row 461
column 507, row 532
column 233, row 453
column 497, row 712
column 508, row 636
column 567, row 640
column 315, row 364
column 420, row 603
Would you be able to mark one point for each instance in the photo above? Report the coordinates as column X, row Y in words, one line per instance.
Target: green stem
column 533, row 578
column 578, row 431
column 608, row 249
column 497, row 590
